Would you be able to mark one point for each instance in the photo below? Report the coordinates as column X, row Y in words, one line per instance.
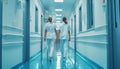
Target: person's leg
column 48, row 45
column 51, row 48
column 61, row 47
column 48, row 41
column 56, row 45
column 65, row 48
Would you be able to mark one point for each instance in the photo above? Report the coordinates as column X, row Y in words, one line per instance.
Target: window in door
column 80, row 19
column 89, row 14
column 36, row 19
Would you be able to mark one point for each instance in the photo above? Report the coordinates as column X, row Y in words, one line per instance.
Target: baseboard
column 18, row 65
column 35, row 56
column 87, row 60
column 31, row 59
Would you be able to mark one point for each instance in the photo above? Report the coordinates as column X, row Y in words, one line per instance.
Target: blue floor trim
column 87, row 60
column 82, row 61
column 18, row 65
column 35, row 56
column 70, row 59
column 31, row 59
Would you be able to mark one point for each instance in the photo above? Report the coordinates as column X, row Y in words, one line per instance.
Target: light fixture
column 58, row 9
column 58, row 15
column 58, row 18
column 58, row 21
column 58, row 0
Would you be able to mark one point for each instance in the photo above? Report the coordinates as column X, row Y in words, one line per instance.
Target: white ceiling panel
column 66, row 6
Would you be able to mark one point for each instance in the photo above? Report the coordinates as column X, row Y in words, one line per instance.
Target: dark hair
column 49, row 18
column 64, row 19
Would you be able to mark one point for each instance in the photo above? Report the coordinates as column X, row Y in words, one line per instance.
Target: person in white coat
column 64, row 36
column 50, row 37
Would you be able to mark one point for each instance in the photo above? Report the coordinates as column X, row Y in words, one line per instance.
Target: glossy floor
column 56, row 63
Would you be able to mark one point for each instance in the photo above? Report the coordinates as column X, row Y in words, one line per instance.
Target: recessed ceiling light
column 58, row 0
column 58, row 21
column 58, row 18
column 58, row 9
column 58, row 15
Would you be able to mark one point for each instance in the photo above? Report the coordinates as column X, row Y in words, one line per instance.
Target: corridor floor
column 40, row 61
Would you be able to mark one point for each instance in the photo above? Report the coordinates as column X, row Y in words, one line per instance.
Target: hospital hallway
column 57, row 62
column 93, row 27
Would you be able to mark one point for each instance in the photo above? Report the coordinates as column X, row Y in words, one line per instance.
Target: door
column 74, row 42
column 0, row 34
column 26, row 30
column 116, row 34
column 36, row 19
column 113, row 19
column 41, row 35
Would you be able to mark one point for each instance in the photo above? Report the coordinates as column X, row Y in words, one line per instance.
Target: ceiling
column 67, row 7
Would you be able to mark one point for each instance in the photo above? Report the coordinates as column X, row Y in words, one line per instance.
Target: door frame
column 36, row 19
column 110, row 35
column 1, row 8
column 111, row 22
column 75, row 41
column 41, row 46
column 26, row 31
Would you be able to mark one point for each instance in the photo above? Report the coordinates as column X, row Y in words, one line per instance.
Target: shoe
column 64, row 58
column 50, row 59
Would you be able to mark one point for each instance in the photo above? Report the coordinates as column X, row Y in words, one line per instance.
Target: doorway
column 75, row 41
column 36, row 19
column 41, row 35
column 113, row 20
column 0, row 34
column 116, row 34
column 26, row 30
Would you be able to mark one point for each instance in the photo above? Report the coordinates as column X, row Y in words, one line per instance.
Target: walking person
column 64, row 35
column 49, row 37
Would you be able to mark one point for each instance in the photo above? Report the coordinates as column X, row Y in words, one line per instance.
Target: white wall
column 93, row 43
column 12, row 51
column 34, row 4
column 32, row 16
column 84, row 16
column 99, row 13
column 35, row 36
column 12, row 34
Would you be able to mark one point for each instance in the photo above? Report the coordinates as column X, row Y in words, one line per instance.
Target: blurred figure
column 64, row 35
column 49, row 37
